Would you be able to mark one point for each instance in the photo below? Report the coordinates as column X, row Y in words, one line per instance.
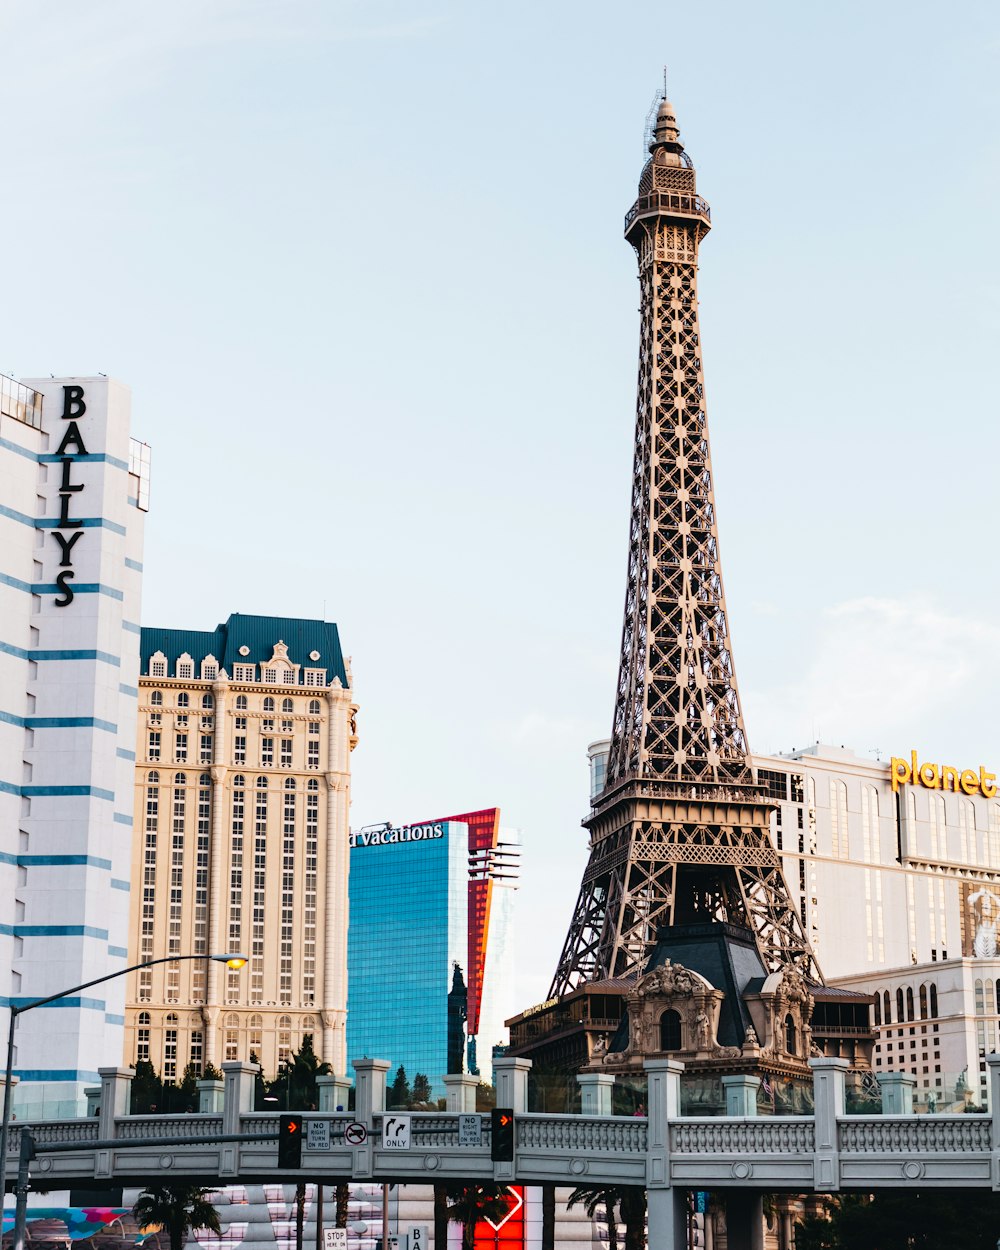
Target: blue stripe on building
column 131, row 627
column 133, row 564
column 87, row 457
column 125, row 755
column 118, row 952
column 87, row 522
column 118, row 884
column 111, row 1019
column 59, row 722
column 61, row 861
column 22, row 653
column 57, row 1074
column 84, row 1004
column 129, row 690
column 60, row 930
column 119, row 818
column 93, row 792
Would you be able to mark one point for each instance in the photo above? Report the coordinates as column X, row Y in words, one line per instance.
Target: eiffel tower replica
column 680, row 834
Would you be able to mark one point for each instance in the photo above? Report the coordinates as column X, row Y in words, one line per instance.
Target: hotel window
column 256, row 1034
column 170, row 1048
column 181, row 748
column 154, row 744
column 270, row 675
column 314, row 707
column 286, row 752
column 313, row 755
column 207, row 701
column 315, row 677
column 205, row 756
column 182, row 721
column 268, row 704
column 142, row 1037
column 197, row 1049
column 239, row 722
column 286, row 931
column 935, row 814
column 284, row 1038
column 209, row 670
column 232, row 1036
column 309, row 883
column 869, row 825
column 267, row 752
column 185, row 669
column 967, row 832
column 287, row 726
column 840, row 842
column 773, row 783
column 259, row 887
column 287, row 705
column 241, row 703
column 244, row 672
column 314, row 727
column 267, row 723
column 158, row 665
column 240, row 749
column 156, row 698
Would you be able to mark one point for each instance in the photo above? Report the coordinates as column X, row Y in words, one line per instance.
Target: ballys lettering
column 74, row 406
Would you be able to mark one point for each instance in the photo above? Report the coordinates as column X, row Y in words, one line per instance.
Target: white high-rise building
column 74, row 492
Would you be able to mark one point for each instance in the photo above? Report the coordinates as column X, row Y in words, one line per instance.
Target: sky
column 361, row 264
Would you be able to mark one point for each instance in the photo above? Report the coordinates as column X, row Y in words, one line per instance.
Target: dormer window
column 158, row 665
column 315, row 676
column 185, row 668
column 244, row 672
column 209, row 668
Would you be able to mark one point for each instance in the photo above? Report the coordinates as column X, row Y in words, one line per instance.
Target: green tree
column 421, row 1090
column 904, row 1219
column 178, row 1209
column 592, row 1198
column 632, row 1200
column 486, row 1096
column 147, row 1090
column 295, row 1085
column 398, row 1096
column 187, row 1091
column 471, row 1203
column 343, row 1199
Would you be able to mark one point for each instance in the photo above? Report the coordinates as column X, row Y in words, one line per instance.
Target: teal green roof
column 259, row 634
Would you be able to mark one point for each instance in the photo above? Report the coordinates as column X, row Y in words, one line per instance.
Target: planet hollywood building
column 74, row 491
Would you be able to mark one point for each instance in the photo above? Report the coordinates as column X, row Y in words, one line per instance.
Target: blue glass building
column 409, row 916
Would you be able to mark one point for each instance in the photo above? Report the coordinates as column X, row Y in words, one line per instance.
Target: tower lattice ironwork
column 680, row 833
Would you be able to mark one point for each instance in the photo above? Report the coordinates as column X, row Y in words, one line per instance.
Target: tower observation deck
column 680, row 833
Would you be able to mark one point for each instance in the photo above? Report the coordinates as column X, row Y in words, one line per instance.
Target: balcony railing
column 675, row 203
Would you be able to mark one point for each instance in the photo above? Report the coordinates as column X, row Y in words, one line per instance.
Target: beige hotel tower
column 241, row 832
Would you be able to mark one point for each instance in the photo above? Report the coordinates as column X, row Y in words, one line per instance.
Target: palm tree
column 594, row 1196
column 178, row 1209
column 472, row 1203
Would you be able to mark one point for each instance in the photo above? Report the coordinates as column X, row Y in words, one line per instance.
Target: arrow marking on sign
column 518, row 1204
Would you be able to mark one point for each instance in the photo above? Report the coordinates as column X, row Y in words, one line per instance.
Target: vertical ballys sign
column 69, row 529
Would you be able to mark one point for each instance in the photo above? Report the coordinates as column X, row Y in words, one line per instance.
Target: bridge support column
column 369, row 1101
column 666, row 1211
column 595, row 1092
column 663, row 1088
column 116, row 1086
column 828, row 1099
column 210, row 1095
column 741, row 1095
column 333, row 1092
column 897, row 1089
column 510, row 1076
column 993, row 1067
column 237, row 1100
column 461, row 1087
column 744, row 1220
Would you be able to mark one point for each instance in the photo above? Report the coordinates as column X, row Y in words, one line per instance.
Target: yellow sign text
column 942, row 777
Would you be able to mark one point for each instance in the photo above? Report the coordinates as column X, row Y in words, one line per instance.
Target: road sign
column 318, row 1138
column 470, row 1130
column 395, row 1132
column 334, row 1239
column 418, row 1237
column 355, row 1134
column 516, row 1204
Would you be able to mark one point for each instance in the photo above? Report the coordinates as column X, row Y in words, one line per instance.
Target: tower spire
column 680, row 833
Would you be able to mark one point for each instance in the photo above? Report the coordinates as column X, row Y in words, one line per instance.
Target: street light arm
column 149, row 963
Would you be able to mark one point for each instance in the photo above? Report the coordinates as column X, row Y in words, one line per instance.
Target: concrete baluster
column 510, row 1077
column 116, row 1089
column 741, row 1095
column 897, row 1089
column 993, row 1067
column 461, row 1090
column 210, row 1097
column 333, row 1092
column 595, row 1092
column 828, row 1099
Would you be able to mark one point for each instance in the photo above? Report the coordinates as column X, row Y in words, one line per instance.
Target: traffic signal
column 502, row 1135
column 290, row 1141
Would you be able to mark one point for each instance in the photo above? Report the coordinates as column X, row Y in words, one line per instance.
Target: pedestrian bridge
column 664, row 1152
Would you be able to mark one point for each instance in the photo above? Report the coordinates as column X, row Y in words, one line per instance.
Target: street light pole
column 231, row 960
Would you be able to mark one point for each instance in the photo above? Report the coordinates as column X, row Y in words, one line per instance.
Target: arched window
column 790, row 1039
column 239, row 781
column 887, row 1007
column 241, row 703
column 900, row 1013
column 287, row 705
column 180, row 779
column 268, row 704
column 205, row 779
column 869, row 825
column 153, row 778
column 156, row 698
column 256, row 1033
column 261, row 783
column 934, row 1006
column 878, row 1008
column 923, row 1002
column 839, row 839
column 314, row 707
column 979, row 998
column 144, row 1017
column 183, row 699
column 207, row 701
column 312, row 784
column 670, row 1031
column 289, row 783
column 171, row 1017
column 909, row 1002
